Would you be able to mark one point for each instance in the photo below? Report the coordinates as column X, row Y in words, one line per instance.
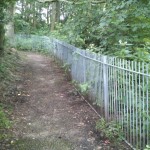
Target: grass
column 52, row 143
column 7, row 68
column 8, row 65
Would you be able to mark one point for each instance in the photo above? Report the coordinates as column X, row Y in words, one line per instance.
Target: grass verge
column 8, row 66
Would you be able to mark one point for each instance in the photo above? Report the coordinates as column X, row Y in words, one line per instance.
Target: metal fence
column 119, row 88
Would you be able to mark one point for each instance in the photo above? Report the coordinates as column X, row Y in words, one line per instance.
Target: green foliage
column 110, row 130
column 67, row 70
column 2, row 70
column 31, row 43
column 4, row 121
column 30, row 17
column 147, row 147
column 21, row 26
column 113, row 27
column 7, row 65
column 41, row 31
column 110, row 27
column 5, row 3
column 51, row 143
column 57, row 33
column 84, row 87
column 66, row 67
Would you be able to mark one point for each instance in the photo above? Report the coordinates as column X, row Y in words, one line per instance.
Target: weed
column 4, row 121
column 66, row 67
column 67, row 70
column 110, row 130
column 84, row 87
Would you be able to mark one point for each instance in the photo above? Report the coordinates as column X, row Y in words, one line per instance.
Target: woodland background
column 112, row 27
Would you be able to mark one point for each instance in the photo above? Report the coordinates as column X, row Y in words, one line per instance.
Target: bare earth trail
column 49, row 114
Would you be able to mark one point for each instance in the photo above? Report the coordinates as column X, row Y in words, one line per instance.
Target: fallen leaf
column 107, row 142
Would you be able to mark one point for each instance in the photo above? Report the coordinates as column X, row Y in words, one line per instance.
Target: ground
column 49, row 114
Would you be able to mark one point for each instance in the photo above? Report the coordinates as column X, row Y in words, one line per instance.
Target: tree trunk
column 40, row 12
column 55, row 14
column 10, row 25
column 57, row 11
column 34, row 15
column 26, row 14
column 47, row 14
column 22, row 9
column 2, row 31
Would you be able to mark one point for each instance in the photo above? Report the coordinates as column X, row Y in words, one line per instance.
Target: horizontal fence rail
column 119, row 88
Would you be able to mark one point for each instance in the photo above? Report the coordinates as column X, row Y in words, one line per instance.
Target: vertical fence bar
column 121, row 95
column 102, row 87
column 143, row 106
column 130, row 109
column 95, row 79
column 109, row 87
column 116, row 99
column 127, row 103
column 99, row 86
column 132, row 103
column 113, row 90
column 84, row 68
column 105, row 77
column 139, row 106
column 119, row 91
column 148, row 106
column 124, row 110
column 136, row 104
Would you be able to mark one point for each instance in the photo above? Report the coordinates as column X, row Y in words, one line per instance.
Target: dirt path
column 49, row 114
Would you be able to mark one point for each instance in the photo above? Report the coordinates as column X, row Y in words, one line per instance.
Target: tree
column 37, row 14
column 10, row 18
column 111, row 27
column 2, row 31
column 3, row 6
column 55, row 14
column 104, row 26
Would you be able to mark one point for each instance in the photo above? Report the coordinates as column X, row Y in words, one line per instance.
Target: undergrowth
column 5, row 123
column 7, row 68
column 32, row 43
column 110, row 130
column 7, row 65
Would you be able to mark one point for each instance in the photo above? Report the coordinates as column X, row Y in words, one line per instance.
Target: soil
column 49, row 114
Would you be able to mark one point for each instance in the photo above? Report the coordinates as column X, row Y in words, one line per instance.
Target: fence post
column 105, row 79
column 84, row 67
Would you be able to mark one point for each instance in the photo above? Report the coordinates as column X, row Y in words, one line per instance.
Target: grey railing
column 120, row 88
